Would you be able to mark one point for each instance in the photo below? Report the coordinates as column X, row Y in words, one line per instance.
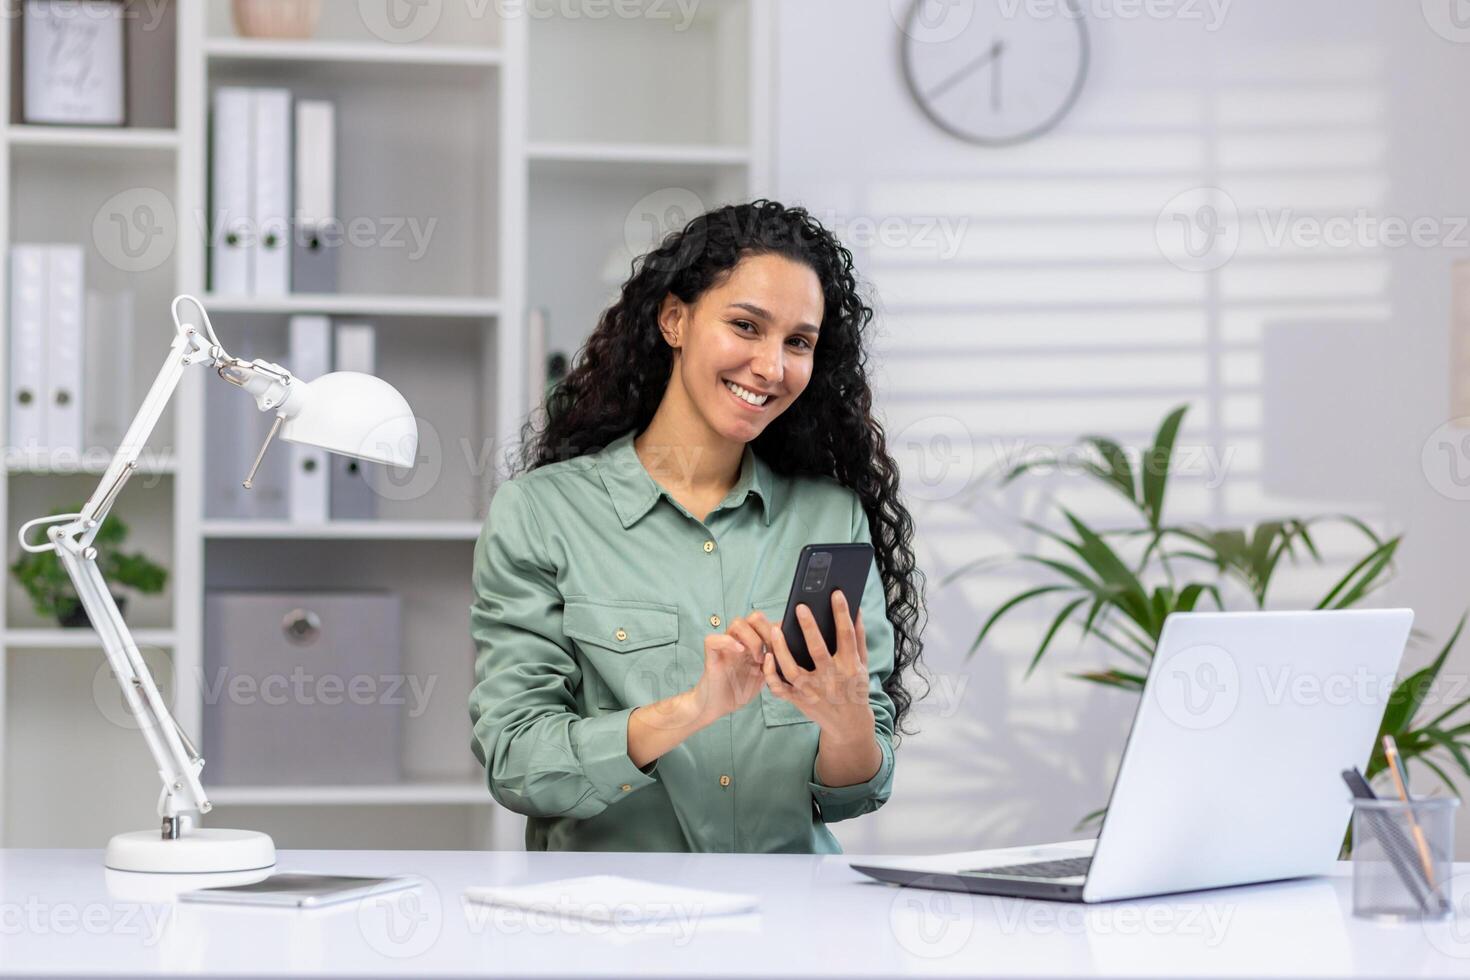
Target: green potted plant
column 51, row 592
column 1116, row 586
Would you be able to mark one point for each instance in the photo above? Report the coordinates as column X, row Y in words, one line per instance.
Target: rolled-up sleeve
column 541, row 757
column 843, row 802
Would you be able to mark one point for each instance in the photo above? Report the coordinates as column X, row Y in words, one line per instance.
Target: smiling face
column 743, row 351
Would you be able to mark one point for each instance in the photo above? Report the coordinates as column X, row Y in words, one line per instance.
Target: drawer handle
column 302, row 626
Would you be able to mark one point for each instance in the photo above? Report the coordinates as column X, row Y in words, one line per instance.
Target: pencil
column 1391, row 752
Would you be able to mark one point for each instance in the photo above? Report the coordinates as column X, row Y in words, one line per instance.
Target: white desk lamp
column 344, row 412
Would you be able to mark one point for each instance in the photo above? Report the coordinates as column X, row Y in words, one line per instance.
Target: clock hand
column 995, row 76
column 959, row 76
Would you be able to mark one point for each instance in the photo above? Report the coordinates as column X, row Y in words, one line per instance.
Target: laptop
column 1231, row 771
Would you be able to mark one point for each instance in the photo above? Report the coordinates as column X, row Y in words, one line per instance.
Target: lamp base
column 203, row 850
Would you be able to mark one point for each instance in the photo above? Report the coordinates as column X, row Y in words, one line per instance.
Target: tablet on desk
column 299, row 890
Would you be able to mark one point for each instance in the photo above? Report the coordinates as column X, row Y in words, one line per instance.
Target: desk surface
column 62, row 912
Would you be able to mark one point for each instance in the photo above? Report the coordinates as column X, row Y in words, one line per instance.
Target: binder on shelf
column 66, row 321
column 352, row 497
column 311, row 357
column 109, row 368
column 313, row 258
column 272, row 192
column 27, row 350
column 232, row 156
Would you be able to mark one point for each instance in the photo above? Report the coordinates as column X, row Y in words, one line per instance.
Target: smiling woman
column 718, row 419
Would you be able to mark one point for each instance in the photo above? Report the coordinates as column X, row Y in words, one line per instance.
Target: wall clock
column 995, row 72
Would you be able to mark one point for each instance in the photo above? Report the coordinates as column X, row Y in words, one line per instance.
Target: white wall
column 1316, row 374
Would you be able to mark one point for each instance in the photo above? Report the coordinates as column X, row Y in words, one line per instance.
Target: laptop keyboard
column 1060, row 868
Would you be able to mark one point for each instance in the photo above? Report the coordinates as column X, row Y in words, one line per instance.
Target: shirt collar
column 634, row 491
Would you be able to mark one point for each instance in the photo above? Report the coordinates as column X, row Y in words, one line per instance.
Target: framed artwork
column 74, row 54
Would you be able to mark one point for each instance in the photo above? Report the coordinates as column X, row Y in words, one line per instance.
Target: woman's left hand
column 835, row 693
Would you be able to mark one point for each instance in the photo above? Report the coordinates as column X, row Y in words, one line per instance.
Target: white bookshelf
column 532, row 142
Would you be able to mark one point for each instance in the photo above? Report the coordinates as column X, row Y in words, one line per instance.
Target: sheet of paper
column 609, row 898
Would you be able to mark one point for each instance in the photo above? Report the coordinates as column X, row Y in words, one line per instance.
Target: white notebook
column 609, row 898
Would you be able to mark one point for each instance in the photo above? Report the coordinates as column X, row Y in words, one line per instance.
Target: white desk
column 60, row 912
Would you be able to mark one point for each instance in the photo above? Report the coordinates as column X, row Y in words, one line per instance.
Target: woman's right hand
column 732, row 670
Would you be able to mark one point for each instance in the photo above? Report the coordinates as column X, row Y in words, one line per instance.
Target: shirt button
column 621, row 634
column 709, row 546
column 724, row 780
column 714, row 621
column 627, row 786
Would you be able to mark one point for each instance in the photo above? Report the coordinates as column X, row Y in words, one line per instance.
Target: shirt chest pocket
column 773, row 709
column 631, row 648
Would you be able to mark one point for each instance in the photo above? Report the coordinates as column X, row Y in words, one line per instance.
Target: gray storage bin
column 303, row 688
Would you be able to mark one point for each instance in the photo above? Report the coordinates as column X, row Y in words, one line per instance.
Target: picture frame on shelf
column 74, row 54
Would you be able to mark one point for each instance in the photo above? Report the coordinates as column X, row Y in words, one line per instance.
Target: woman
column 717, row 421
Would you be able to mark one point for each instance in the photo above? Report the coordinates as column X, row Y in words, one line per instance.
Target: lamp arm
column 70, row 536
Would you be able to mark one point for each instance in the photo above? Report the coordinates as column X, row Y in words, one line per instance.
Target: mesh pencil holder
column 1403, row 858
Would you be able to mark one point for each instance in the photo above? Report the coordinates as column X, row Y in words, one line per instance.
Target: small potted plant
column 51, row 592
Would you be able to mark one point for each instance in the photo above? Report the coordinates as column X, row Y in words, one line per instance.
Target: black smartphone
column 821, row 570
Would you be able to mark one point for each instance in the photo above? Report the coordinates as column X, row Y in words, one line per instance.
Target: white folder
column 110, row 357
column 311, row 357
column 232, row 214
column 313, row 255
column 65, row 369
column 352, row 497
column 316, row 192
column 27, row 350
column 272, row 191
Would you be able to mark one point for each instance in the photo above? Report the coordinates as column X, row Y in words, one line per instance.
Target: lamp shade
column 354, row 414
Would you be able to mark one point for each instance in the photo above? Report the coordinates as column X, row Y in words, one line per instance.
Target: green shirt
column 594, row 590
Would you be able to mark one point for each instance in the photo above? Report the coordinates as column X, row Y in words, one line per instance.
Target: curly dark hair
column 619, row 376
